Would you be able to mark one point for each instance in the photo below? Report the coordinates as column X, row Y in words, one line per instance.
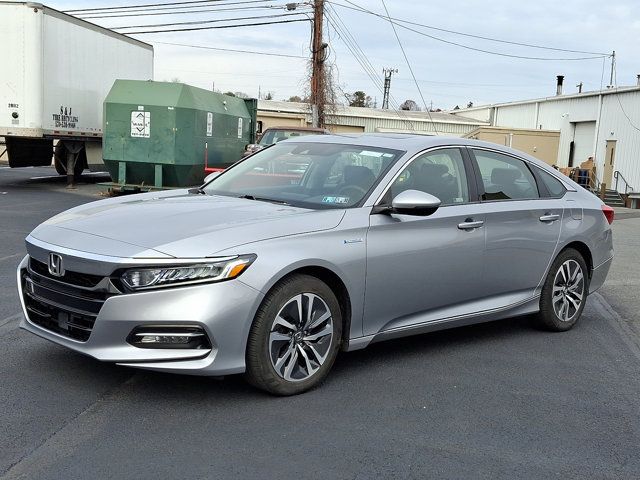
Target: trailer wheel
column 60, row 160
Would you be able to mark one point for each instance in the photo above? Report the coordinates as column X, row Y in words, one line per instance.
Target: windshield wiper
column 262, row 199
column 197, row 191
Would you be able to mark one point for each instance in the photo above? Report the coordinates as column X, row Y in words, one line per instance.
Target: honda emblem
column 55, row 265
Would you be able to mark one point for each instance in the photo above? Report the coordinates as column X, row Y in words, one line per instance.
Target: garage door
column 583, row 140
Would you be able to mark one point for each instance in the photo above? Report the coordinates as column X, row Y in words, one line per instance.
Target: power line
column 181, row 12
column 481, row 37
column 404, row 54
column 218, row 27
column 232, row 50
column 360, row 57
column 203, row 22
column 400, row 23
column 617, row 95
column 127, row 7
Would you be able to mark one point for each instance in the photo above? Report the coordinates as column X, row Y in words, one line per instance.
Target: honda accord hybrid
column 312, row 246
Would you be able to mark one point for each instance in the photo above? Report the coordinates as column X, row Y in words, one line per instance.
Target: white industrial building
column 604, row 124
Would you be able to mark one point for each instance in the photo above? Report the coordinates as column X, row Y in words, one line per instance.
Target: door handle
column 549, row 217
column 470, row 224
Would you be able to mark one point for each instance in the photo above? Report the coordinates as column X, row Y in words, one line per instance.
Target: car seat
column 504, row 181
column 358, row 176
column 434, row 178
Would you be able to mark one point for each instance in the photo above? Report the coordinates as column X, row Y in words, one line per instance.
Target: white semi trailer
column 56, row 72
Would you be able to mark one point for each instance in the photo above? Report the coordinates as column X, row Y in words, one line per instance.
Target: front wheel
column 295, row 336
column 564, row 292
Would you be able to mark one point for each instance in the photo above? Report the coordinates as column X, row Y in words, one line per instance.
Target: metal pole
column 613, row 65
column 387, row 85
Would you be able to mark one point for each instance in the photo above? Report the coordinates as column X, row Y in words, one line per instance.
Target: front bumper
column 224, row 310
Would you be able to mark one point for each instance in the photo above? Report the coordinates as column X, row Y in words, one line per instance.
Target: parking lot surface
column 499, row 400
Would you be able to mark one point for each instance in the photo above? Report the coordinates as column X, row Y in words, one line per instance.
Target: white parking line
column 9, row 323
column 10, row 256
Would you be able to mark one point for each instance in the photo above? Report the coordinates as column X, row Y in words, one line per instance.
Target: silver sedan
column 312, row 246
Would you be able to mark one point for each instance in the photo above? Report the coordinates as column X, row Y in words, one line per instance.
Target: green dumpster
column 164, row 134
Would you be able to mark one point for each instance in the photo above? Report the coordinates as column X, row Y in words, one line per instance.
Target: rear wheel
column 564, row 293
column 295, row 336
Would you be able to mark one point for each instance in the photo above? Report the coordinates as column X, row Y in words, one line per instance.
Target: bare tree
column 410, row 105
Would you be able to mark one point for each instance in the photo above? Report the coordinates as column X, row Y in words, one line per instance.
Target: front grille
column 73, row 278
column 65, row 305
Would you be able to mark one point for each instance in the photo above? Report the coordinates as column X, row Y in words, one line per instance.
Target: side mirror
column 415, row 202
column 250, row 147
column 211, row 176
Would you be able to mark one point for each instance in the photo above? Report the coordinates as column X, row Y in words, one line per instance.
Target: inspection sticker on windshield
column 369, row 153
column 339, row 200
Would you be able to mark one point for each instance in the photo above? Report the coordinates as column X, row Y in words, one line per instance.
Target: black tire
column 552, row 315
column 60, row 160
column 261, row 349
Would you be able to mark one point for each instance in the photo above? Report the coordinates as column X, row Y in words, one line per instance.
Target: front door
column 421, row 269
column 609, row 158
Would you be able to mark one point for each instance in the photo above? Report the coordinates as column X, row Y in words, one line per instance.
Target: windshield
column 310, row 175
column 274, row 136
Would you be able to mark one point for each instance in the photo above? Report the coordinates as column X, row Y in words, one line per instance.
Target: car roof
column 396, row 141
column 410, row 143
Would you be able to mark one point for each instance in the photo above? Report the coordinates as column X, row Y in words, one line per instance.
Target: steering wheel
column 352, row 188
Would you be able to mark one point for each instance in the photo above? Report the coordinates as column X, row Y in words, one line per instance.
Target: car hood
column 178, row 224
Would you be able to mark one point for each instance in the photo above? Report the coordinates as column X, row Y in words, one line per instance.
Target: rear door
column 522, row 223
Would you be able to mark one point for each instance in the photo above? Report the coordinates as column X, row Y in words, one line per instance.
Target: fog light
column 187, row 337
column 164, row 338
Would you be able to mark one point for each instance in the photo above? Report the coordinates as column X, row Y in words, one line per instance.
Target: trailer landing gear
column 70, row 159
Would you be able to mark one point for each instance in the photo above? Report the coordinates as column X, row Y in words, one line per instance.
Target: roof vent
column 559, row 84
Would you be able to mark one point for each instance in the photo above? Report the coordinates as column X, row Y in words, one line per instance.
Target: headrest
column 358, row 175
column 505, row 176
column 434, row 169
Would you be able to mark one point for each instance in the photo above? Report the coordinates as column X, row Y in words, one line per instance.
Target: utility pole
column 613, row 67
column 318, row 56
column 387, row 85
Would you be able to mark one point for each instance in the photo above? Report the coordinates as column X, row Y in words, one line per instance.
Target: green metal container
column 163, row 134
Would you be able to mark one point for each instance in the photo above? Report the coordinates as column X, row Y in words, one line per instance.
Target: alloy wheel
column 568, row 290
column 301, row 336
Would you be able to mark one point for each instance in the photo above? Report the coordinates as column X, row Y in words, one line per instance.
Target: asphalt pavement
column 498, row 400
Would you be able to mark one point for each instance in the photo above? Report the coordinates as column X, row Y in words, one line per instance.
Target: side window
column 440, row 173
column 554, row 186
column 505, row 177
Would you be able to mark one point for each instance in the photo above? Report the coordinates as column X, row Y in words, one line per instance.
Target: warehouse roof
column 363, row 112
column 594, row 93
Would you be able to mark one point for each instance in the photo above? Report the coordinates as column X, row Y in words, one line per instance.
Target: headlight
column 216, row 271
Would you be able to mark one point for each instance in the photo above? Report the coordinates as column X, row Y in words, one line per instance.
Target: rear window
column 554, row 186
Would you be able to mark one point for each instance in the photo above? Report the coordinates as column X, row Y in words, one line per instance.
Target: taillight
column 609, row 213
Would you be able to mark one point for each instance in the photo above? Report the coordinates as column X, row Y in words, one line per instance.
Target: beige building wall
column 273, row 119
column 345, row 129
column 542, row 144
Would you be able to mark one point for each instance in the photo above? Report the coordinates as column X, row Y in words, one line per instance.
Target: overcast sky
column 448, row 75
